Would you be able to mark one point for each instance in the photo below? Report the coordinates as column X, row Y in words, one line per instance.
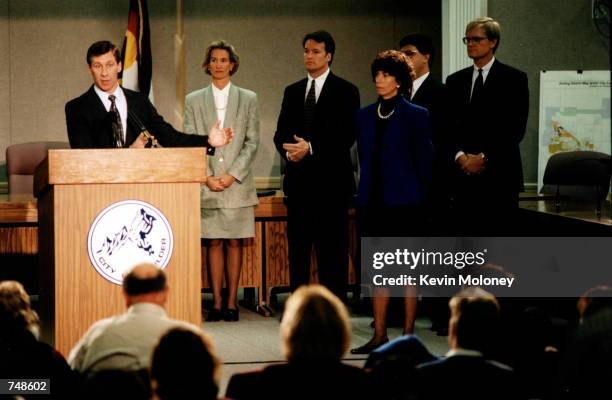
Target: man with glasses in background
column 489, row 104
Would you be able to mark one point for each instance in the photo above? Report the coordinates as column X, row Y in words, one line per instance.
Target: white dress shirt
column 485, row 72
column 319, row 82
column 121, row 104
column 221, row 97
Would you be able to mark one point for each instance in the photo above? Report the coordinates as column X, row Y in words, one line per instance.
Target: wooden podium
column 74, row 188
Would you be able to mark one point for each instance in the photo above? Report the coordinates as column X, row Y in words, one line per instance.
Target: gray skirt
column 228, row 223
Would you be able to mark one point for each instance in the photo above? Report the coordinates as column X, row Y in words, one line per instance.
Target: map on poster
column 574, row 114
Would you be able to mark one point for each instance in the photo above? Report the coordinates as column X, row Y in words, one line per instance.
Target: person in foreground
column 466, row 372
column 109, row 116
column 229, row 196
column 396, row 158
column 184, row 366
column 22, row 355
column 315, row 333
column 125, row 341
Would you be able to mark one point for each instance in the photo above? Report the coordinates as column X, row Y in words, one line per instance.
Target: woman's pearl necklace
column 384, row 116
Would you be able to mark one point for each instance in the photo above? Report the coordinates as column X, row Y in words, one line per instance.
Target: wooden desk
column 18, row 224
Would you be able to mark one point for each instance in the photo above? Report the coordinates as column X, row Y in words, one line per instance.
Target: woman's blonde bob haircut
column 222, row 45
column 315, row 325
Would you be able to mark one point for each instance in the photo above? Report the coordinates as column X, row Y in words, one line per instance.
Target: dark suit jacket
column 407, row 154
column 89, row 124
column 316, row 380
column 432, row 96
column 465, row 377
column 494, row 126
column 328, row 170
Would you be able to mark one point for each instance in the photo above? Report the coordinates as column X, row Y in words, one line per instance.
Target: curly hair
column 15, row 309
column 396, row 64
column 221, row 45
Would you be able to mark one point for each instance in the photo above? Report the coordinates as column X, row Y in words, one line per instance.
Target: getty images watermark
column 505, row 266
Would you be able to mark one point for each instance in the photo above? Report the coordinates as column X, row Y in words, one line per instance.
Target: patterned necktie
column 117, row 126
column 478, row 87
column 309, row 108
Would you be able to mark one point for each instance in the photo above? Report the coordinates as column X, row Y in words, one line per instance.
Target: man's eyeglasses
column 473, row 39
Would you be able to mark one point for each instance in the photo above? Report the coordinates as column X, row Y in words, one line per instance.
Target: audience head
column 234, row 58
column 474, row 320
column 315, row 326
column 420, row 50
column 490, row 28
column 184, row 366
column 16, row 312
column 100, row 48
column 594, row 300
column 145, row 283
column 395, row 64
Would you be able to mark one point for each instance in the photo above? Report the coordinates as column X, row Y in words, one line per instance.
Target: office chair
column 580, row 174
column 21, row 161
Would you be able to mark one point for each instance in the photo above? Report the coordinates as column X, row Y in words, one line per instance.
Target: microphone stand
column 144, row 130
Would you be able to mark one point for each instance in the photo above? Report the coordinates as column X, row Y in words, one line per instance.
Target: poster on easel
column 574, row 114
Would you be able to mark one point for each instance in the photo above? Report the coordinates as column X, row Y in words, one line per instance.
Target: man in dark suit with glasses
column 489, row 103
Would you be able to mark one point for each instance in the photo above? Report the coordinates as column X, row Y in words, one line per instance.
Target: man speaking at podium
column 109, row 116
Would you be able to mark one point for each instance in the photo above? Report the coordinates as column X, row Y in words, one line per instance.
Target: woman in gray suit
column 229, row 196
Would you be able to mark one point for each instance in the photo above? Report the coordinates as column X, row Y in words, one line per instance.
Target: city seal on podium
column 127, row 233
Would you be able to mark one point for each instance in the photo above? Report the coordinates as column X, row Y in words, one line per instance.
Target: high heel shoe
column 369, row 347
column 231, row 315
column 214, row 315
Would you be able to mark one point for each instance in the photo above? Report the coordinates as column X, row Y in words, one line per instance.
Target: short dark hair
column 477, row 315
column 100, row 48
column 134, row 285
column 422, row 42
column 222, row 45
column 396, row 64
column 184, row 366
column 322, row 37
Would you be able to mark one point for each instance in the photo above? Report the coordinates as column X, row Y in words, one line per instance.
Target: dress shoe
column 214, row 315
column 231, row 315
column 368, row 347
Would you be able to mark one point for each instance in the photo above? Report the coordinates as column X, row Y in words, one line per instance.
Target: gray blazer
column 242, row 115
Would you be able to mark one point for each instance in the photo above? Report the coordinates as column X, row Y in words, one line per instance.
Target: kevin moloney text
column 428, row 280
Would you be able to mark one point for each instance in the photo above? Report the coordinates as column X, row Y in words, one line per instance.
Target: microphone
column 143, row 129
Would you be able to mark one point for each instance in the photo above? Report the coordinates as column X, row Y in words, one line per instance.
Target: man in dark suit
column 467, row 372
column 109, row 116
column 431, row 94
column 314, row 134
column 490, row 103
